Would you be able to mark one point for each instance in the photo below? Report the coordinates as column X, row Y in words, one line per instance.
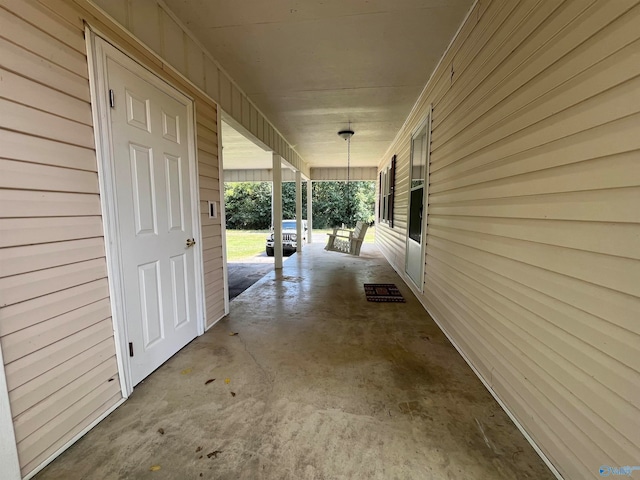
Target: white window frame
column 424, row 124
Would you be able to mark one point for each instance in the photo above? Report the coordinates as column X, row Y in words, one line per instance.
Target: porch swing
column 342, row 239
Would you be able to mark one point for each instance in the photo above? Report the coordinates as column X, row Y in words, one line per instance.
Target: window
column 387, row 190
column 418, row 201
column 418, row 171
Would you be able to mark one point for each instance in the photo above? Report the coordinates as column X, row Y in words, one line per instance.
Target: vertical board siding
column 55, row 321
column 532, row 263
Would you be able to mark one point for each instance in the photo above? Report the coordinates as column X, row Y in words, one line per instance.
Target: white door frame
column 223, row 215
column 425, row 123
column 98, row 47
column 8, row 445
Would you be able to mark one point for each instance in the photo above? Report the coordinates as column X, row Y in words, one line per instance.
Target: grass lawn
column 243, row 244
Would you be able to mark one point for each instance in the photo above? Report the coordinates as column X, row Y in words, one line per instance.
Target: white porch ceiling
column 312, row 66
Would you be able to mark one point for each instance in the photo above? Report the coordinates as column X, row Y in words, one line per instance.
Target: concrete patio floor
column 321, row 385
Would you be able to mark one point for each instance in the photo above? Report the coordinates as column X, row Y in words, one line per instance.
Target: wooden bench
column 347, row 241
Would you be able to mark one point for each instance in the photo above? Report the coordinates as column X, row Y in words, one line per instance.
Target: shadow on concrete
column 243, row 275
column 246, row 272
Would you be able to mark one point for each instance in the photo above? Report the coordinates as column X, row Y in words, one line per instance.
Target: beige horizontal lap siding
column 338, row 174
column 532, row 258
column 194, row 75
column 393, row 241
column 257, row 175
column 152, row 23
column 164, row 34
column 208, row 169
column 55, row 321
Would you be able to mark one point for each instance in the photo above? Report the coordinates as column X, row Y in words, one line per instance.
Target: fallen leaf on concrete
column 161, row 431
column 155, row 468
column 198, row 449
column 233, row 334
column 214, row 454
column 186, row 371
column 227, row 381
column 513, row 456
column 233, row 394
column 209, row 381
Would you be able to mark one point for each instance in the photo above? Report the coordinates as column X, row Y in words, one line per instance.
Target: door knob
column 191, row 242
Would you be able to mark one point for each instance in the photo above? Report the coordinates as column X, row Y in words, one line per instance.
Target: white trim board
column 97, row 47
column 493, row 393
column 201, row 308
column 223, row 217
column 9, row 462
column 425, row 124
column 100, row 120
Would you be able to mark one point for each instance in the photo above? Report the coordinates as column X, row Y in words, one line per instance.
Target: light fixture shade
column 346, row 134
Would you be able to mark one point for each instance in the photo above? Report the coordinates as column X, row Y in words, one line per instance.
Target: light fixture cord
column 348, row 178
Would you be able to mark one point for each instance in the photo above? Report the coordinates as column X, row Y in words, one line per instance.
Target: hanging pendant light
column 346, row 135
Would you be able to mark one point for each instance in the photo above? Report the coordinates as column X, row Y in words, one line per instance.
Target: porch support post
column 8, row 448
column 299, row 230
column 277, row 210
column 309, row 212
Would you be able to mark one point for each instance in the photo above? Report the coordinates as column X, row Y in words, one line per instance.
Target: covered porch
column 322, row 385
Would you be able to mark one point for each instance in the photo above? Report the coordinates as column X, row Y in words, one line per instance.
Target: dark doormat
column 382, row 292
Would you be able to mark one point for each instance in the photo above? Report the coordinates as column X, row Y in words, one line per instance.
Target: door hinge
column 112, row 98
column 131, row 349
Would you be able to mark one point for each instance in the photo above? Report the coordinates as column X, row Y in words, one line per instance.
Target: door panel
column 151, row 310
column 152, row 166
column 143, row 190
column 175, row 194
column 179, row 287
column 137, row 111
column 171, row 127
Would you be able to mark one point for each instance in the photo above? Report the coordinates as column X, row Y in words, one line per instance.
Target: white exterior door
column 152, row 159
column 418, row 184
